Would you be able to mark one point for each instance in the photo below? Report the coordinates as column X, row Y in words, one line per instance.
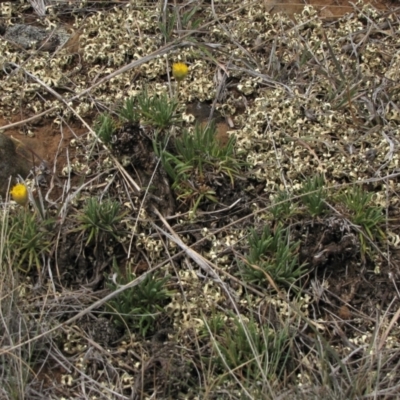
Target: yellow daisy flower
column 19, row 194
column 180, row 71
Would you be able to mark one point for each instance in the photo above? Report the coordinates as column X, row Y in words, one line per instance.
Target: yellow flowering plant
column 19, row 194
column 29, row 233
column 180, row 71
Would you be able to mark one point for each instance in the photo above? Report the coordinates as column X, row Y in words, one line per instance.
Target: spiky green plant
column 213, row 324
column 100, row 220
column 253, row 351
column 283, row 206
column 157, row 110
column 363, row 213
column 189, row 20
column 138, row 307
column 30, row 239
column 104, row 127
column 129, row 111
column 274, row 254
column 167, row 23
column 197, row 159
column 313, row 195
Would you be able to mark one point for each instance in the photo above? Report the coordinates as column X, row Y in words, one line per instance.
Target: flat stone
column 11, row 164
column 28, row 37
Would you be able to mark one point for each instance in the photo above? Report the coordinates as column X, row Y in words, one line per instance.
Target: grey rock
column 11, row 164
column 28, row 36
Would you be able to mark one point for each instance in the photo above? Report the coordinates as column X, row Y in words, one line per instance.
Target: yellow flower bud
column 19, row 194
column 180, row 71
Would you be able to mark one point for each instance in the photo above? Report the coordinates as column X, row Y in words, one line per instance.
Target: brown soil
column 327, row 9
column 46, row 141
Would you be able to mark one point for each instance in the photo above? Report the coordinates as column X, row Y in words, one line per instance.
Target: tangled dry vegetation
column 230, row 236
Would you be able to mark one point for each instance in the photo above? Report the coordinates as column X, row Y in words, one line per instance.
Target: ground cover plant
column 222, row 222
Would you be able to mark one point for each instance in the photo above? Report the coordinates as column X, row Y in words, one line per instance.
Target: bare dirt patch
column 327, row 9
